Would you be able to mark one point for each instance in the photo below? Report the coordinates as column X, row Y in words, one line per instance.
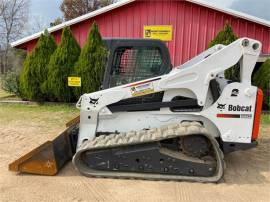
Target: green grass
column 46, row 114
column 3, row 93
column 265, row 119
column 46, row 107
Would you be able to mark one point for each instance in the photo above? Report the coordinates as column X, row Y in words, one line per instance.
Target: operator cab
column 132, row 60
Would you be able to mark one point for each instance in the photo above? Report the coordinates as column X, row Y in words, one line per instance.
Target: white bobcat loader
column 151, row 122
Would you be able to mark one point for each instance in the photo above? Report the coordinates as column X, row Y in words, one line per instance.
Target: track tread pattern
column 146, row 136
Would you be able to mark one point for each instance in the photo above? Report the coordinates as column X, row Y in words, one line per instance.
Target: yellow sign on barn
column 74, row 81
column 162, row 32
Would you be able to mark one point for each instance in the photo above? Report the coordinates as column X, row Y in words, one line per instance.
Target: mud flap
column 50, row 157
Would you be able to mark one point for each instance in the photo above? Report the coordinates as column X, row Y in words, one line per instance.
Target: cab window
column 132, row 64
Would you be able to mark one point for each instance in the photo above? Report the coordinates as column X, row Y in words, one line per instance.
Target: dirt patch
column 247, row 177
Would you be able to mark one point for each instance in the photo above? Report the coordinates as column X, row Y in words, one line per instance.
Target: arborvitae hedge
column 225, row 37
column 24, row 77
column 262, row 80
column 91, row 64
column 35, row 68
column 61, row 67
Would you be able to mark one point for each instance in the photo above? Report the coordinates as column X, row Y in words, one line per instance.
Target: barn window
column 132, row 64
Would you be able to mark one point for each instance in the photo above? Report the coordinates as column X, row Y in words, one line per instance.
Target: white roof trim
column 124, row 2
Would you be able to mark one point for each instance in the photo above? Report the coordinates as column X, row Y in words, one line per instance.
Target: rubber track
column 146, row 136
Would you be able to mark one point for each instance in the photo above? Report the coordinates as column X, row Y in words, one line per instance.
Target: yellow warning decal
column 162, row 32
column 142, row 89
column 74, row 81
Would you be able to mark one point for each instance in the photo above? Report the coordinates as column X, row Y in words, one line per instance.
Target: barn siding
column 194, row 26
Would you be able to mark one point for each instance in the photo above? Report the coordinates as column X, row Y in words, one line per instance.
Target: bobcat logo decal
column 94, row 101
column 221, row 106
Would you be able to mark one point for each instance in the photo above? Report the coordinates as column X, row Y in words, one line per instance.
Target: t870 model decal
column 241, row 116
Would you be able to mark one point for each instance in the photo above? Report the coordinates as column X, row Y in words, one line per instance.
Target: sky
column 42, row 12
column 48, row 9
column 258, row 8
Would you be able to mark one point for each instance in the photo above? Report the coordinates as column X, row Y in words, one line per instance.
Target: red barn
column 194, row 24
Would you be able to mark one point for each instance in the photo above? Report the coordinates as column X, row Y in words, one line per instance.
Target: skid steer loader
column 154, row 122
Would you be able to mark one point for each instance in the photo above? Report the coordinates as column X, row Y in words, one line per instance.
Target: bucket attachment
column 73, row 121
column 50, row 157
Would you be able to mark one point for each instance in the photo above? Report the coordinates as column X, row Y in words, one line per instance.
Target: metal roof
column 124, row 2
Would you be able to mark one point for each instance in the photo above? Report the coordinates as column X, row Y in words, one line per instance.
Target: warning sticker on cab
column 142, row 89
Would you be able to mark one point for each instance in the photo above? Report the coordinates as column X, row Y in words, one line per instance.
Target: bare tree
column 36, row 23
column 56, row 21
column 13, row 18
column 1, row 50
column 1, row 7
column 75, row 8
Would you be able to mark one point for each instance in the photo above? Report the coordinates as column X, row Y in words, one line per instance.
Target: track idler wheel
column 195, row 145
